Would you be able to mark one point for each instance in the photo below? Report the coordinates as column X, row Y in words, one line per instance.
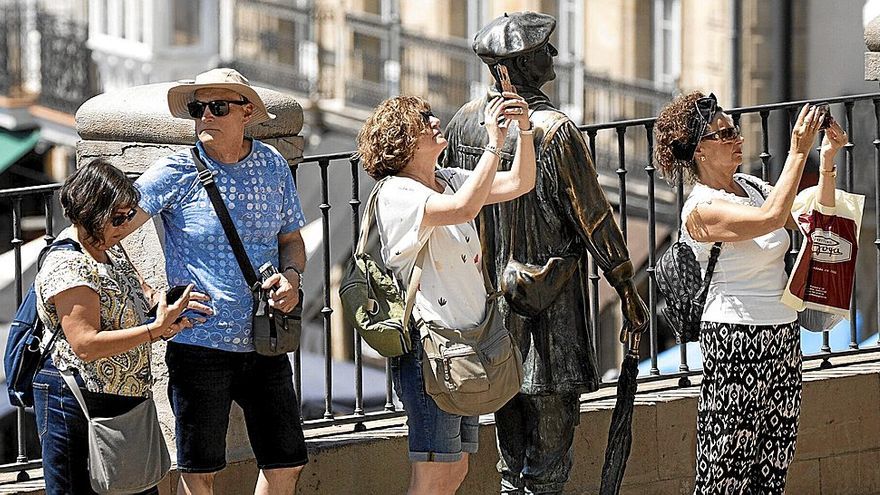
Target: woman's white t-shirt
column 750, row 276
column 452, row 291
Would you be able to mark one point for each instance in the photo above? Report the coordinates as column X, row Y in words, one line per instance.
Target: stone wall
column 838, row 448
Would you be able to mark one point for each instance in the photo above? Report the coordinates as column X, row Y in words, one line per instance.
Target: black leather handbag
column 678, row 278
column 274, row 332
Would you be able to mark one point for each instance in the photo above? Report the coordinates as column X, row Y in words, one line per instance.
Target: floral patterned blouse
column 123, row 305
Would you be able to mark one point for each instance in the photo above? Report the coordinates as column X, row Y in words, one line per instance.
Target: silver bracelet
column 493, row 150
column 300, row 277
column 294, row 268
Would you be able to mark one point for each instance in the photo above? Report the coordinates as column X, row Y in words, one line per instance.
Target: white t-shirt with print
column 750, row 276
column 452, row 291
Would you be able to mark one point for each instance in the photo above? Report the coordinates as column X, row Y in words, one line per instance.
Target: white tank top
column 750, row 276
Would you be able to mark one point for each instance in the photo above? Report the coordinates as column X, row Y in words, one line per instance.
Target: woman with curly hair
column 421, row 205
column 750, row 395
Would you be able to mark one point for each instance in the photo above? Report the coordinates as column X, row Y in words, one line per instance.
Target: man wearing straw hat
column 215, row 363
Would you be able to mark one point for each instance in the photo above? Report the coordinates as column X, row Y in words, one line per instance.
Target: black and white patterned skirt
column 750, row 402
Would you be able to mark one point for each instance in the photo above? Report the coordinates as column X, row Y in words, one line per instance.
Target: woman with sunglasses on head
column 420, row 205
column 96, row 298
column 751, row 389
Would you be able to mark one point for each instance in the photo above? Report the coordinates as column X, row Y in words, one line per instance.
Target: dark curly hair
column 93, row 193
column 387, row 141
column 672, row 126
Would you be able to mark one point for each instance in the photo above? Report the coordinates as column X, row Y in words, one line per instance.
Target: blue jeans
column 63, row 429
column 434, row 434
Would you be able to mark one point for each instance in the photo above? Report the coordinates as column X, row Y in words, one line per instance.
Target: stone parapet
column 140, row 114
column 838, row 446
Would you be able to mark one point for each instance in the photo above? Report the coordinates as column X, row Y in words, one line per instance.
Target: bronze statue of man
column 535, row 250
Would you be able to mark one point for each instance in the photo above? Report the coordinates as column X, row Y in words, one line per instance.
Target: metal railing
column 442, row 70
column 10, row 49
column 271, row 44
column 627, row 164
column 67, row 72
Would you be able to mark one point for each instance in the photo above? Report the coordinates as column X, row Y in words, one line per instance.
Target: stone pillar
column 872, row 56
column 131, row 128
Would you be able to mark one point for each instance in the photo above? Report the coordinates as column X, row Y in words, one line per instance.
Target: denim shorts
column 203, row 382
column 63, row 429
column 434, row 434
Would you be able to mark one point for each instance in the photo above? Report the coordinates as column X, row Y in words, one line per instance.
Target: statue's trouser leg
column 535, row 434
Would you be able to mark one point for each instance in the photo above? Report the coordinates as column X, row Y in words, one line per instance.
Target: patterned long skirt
column 750, row 402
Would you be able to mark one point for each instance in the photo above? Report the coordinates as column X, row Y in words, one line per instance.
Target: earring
column 702, row 158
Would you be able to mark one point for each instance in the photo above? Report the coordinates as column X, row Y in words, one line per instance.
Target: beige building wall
column 705, row 42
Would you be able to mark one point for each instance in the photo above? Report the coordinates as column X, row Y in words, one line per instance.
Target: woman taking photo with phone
column 95, row 297
column 750, row 395
column 421, row 205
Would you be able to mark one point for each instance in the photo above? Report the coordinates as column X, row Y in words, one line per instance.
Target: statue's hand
column 635, row 313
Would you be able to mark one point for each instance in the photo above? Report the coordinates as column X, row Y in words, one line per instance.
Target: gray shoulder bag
column 127, row 453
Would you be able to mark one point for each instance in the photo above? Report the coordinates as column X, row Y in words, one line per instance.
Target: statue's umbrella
column 620, row 432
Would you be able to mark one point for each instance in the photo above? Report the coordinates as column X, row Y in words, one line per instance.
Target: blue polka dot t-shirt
column 262, row 201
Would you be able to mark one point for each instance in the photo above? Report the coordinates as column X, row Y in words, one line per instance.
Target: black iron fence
column 860, row 115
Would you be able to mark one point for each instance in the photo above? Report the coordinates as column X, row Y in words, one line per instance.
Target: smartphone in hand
column 823, row 111
column 171, row 296
column 508, row 87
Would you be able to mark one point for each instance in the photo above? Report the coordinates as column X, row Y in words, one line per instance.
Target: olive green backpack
column 372, row 302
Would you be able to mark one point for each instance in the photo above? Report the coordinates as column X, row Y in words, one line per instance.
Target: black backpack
column 23, row 357
column 678, row 278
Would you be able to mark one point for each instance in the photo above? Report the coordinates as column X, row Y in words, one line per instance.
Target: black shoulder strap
column 207, row 180
column 710, row 269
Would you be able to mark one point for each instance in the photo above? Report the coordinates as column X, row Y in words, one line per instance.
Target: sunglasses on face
column 118, row 220
column 219, row 108
column 426, row 116
column 724, row 135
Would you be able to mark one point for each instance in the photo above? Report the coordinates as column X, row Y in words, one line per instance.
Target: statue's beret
column 513, row 34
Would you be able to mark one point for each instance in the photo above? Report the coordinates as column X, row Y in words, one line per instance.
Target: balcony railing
column 10, row 49
column 67, row 73
column 272, row 44
column 442, row 70
column 628, row 163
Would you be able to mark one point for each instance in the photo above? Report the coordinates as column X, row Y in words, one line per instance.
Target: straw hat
column 184, row 92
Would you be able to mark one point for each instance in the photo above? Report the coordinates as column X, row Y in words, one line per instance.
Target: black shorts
column 203, row 382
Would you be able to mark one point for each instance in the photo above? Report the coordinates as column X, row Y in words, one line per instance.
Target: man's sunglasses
column 724, row 135
column 219, row 108
column 118, row 220
column 426, row 116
